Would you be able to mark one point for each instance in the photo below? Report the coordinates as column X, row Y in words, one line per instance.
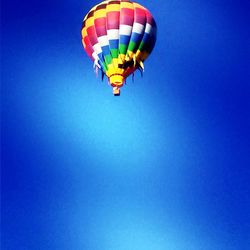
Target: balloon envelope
column 118, row 36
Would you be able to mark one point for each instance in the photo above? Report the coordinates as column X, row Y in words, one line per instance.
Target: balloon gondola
column 118, row 36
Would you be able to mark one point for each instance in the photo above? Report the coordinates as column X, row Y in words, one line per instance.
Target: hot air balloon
column 118, row 36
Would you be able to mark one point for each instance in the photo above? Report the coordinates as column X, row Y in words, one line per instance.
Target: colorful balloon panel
column 118, row 36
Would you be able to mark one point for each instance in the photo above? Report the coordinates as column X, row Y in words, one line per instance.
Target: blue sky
column 163, row 166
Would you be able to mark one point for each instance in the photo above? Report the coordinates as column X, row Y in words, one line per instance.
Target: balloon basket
column 116, row 91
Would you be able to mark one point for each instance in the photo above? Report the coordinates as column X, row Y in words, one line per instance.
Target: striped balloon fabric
column 118, row 36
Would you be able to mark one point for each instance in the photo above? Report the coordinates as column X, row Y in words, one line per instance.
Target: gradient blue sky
column 165, row 166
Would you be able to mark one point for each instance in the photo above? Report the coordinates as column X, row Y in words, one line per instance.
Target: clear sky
column 163, row 166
